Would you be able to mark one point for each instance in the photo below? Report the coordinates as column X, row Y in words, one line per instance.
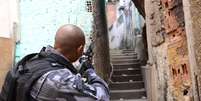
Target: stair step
column 128, row 71
column 127, row 94
column 122, row 51
column 143, row 99
column 125, row 65
column 127, row 81
column 126, row 78
column 123, row 54
column 126, row 85
column 127, row 51
column 123, row 57
column 114, row 61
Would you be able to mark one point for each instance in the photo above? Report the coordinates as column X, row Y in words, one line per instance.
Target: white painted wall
column 8, row 16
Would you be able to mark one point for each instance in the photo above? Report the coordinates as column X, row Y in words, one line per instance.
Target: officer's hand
column 85, row 65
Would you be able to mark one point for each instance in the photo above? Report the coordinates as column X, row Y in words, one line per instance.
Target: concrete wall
column 8, row 30
column 6, row 57
column 168, row 51
column 192, row 13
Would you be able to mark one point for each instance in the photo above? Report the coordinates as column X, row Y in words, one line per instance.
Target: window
column 89, row 6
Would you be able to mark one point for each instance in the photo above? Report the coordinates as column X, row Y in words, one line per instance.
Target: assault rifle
column 86, row 59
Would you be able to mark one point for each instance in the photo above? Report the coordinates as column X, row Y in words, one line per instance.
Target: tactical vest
column 20, row 79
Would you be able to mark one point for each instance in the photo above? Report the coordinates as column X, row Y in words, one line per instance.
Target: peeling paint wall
column 40, row 20
column 168, row 49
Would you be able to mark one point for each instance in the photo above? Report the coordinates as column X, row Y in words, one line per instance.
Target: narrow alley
column 145, row 50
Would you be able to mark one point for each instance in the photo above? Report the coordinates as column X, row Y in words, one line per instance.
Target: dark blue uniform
column 63, row 85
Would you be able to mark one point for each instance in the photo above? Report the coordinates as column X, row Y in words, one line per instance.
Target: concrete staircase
column 126, row 79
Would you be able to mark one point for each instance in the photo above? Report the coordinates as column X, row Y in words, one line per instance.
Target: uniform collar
column 49, row 51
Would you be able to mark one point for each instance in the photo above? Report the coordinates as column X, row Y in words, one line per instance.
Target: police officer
column 65, row 84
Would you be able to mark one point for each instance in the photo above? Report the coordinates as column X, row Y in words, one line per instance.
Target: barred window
column 89, row 6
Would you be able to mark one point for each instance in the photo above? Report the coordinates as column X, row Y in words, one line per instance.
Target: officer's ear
column 80, row 49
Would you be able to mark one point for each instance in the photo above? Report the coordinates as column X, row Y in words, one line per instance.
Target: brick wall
column 178, row 61
column 168, row 49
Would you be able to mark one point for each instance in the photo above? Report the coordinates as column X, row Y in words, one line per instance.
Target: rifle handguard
column 85, row 65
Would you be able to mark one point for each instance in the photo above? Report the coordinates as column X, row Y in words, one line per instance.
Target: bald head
column 68, row 39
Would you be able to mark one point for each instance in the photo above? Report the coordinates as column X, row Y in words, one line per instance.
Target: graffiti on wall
column 127, row 25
